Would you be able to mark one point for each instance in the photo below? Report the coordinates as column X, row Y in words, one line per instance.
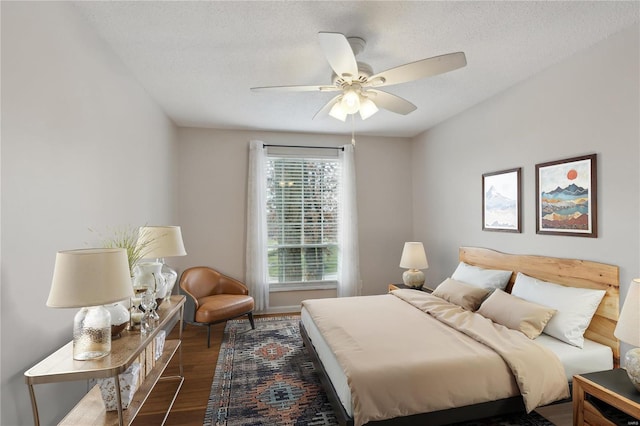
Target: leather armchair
column 216, row 297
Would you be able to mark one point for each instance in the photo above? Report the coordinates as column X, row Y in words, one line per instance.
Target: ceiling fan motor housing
column 364, row 72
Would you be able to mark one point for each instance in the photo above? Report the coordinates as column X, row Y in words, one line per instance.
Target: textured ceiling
column 199, row 59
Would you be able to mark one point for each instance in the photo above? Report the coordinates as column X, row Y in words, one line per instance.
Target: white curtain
column 256, row 256
column 348, row 261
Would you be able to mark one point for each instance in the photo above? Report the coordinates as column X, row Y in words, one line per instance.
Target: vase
column 149, row 276
column 170, row 276
column 119, row 318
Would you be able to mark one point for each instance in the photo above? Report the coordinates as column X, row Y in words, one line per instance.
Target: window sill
column 275, row 288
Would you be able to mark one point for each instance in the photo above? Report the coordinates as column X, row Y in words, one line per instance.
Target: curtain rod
column 264, row 145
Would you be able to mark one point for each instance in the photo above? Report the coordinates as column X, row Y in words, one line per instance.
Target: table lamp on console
column 160, row 242
column 628, row 330
column 88, row 279
column 413, row 258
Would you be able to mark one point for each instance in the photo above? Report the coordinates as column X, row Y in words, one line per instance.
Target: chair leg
column 253, row 326
column 208, row 335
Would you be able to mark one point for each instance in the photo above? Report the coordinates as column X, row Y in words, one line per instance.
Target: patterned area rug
column 265, row 377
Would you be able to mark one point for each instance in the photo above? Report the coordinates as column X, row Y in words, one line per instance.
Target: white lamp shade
column 161, row 241
column 628, row 327
column 350, row 101
column 90, row 277
column 413, row 256
column 367, row 108
column 338, row 112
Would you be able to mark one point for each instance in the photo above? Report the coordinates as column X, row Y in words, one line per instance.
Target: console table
column 61, row 367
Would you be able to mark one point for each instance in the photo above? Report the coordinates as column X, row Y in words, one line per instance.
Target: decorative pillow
column 515, row 313
column 489, row 279
column 464, row 295
column 575, row 306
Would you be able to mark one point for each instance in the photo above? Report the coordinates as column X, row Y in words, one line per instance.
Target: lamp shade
column 413, row 256
column 161, row 241
column 338, row 112
column 628, row 327
column 367, row 108
column 90, row 277
column 350, row 101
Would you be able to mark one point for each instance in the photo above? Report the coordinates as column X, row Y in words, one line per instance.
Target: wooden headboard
column 569, row 272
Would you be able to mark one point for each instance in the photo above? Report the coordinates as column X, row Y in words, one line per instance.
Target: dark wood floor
column 199, row 363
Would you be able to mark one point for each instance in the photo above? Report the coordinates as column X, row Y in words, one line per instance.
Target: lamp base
column 632, row 365
column 91, row 333
column 413, row 278
column 170, row 277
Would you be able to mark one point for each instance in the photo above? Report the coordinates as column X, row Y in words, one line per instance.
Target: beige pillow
column 516, row 314
column 461, row 294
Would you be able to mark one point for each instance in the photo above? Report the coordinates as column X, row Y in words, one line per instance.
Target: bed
column 499, row 393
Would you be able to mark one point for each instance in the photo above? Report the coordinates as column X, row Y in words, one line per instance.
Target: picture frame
column 566, row 197
column 501, row 201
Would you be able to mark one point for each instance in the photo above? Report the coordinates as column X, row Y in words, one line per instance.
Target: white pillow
column 489, row 279
column 575, row 306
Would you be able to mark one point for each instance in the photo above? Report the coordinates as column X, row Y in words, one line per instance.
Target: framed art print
column 501, row 205
column 566, row 201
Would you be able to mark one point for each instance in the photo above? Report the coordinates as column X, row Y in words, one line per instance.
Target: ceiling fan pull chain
column 353, row 130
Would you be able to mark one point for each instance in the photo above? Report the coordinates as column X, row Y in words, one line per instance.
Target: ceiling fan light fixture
column 367, row 108
column 338, row 112
column 350, row 101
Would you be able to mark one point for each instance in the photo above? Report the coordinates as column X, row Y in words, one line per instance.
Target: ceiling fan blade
column 419, row 69
column 322, row 88
column 391, row 102
column 327, row 107
column 339, row 54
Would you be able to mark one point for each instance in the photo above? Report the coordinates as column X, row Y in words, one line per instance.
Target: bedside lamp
column 88, row 279
column 161, row 242
column 628, row 330
column 414, row 259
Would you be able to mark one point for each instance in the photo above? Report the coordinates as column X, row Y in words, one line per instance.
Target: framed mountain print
column 501, row 201
column 566, row 201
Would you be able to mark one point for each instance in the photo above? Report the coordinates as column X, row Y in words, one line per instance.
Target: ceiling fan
column 358, row 85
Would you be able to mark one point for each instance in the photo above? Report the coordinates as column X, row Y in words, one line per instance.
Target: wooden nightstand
column 611, row 387
column 399, row 286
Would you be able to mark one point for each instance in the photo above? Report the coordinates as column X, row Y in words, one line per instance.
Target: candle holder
column 135, row 314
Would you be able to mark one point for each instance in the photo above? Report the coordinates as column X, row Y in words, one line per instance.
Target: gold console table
column 61, row 367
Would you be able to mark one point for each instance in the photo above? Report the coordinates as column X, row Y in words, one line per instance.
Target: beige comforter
column 400, row 361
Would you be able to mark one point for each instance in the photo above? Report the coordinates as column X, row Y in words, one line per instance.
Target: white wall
column 586, row 104
column 212, row 202
column 82, row 146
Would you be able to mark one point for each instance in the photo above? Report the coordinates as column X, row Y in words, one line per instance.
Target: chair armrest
column 193, row 298
column 228, row 285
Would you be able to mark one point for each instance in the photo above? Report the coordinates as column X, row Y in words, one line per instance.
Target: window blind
column 302, row 219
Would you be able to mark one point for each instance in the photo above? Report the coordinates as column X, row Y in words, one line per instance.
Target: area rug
column 265, row 377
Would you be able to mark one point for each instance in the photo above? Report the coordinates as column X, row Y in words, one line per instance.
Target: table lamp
column 88, row 279
column 161, row 242
column 628, row 330
column 413, row 258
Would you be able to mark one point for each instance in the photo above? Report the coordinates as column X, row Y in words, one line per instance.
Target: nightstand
column 611, row 387
column 399, row 286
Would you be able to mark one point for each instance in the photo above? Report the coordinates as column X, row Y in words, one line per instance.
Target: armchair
column 216, row 297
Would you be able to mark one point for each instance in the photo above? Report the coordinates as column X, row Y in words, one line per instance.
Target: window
column 302, row 221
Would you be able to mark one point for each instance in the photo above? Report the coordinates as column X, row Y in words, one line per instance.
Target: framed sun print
column 501, row 201
column 566, row 197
